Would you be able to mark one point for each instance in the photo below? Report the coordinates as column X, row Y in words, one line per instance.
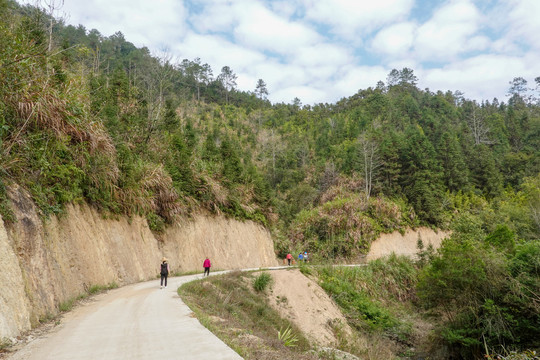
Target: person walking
column 289, row 258
column 207, row 265
column 300, row 258
column 164, row 271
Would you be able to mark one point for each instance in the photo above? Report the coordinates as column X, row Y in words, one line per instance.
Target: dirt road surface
column 139, row 321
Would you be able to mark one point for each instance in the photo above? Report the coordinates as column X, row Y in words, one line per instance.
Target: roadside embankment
column 48, row 262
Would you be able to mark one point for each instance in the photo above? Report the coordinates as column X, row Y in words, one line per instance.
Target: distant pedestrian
column 289, row 258
column 164, row 271
column 206, row 266
column 305, row 256
column 300, row 257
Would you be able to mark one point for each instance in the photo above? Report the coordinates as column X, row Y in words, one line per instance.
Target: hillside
column 93, row 122
column 47, row 265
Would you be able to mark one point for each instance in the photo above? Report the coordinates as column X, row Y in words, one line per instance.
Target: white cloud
column 310, row 48
column 322, row 54
column 260, row 28
column 483, row 76
column 306, row 94
column 394, row 40
column 448, row 33
column 350, row 17
column 136, row 19
column 524, row 18
column 286, row 8
column 355, row 78
column 217, row 52
column 216, row 16
column 505, row 46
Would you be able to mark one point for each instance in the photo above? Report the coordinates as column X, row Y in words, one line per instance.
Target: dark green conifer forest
column 94, row 119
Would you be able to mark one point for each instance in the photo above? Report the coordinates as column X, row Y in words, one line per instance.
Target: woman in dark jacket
column 164, row 271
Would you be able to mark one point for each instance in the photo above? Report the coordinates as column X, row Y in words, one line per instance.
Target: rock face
column 46, row 263
column 405, row 244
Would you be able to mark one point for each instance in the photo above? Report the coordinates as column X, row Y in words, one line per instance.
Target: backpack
column 164, row 270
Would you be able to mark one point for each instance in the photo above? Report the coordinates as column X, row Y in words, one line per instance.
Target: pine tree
column 456, row 173
column 421, row 175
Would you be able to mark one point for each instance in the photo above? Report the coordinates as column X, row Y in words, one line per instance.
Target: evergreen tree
column 421, row 176
column 484, row 172
column 455, row 171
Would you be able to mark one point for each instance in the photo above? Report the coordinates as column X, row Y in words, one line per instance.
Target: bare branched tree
column 329, row 177
column 477, row 124
column 369, row 150
column 156, row 80
column 52, row 8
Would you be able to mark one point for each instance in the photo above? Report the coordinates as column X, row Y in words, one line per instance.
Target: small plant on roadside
column 5, row 343
column 262, row 281
column 514, row 355
column 287, row 337
column 95, row 289
column 304, row 269
column 67, row 305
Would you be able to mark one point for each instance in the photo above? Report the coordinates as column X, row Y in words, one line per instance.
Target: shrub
column 485, row 292
column 262, row 281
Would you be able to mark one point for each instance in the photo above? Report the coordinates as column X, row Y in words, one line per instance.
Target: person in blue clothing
column 300, row 257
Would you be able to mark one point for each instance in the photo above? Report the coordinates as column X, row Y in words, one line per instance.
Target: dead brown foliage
column 159, row 191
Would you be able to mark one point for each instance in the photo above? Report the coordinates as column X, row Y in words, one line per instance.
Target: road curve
column 139, row 321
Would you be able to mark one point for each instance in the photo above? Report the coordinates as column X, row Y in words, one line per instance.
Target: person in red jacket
column 289, row 258
column 207, row 266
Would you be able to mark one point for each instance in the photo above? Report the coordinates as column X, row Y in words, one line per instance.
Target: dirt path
column 139, row 321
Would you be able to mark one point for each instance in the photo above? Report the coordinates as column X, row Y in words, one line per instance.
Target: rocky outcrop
column 46, row 263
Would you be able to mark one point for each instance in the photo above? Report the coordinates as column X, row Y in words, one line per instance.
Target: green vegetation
column 240, row 316
column 92, row 290
column 372, row 296
column 96, row 289
column 5, row 343
column 478, row 292
column 94, row 119
column 486, row 285
column 287, row 337
column 262, row 281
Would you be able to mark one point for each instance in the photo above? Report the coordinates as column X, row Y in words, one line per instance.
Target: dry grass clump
column 158, row 190
column 389, row 213
column 42, row 106
column 45, row 107
column 343, row 187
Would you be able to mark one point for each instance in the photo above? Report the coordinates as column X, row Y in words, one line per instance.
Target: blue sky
column 323, row 50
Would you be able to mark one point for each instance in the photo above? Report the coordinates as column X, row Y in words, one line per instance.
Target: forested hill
column 90, row 118
column 85, row 117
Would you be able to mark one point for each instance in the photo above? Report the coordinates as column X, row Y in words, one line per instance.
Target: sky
column 324, row 50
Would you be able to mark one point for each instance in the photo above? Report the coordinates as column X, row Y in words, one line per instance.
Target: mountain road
column 139, row 321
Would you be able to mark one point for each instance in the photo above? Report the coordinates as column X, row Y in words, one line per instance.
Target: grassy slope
column 378, row 301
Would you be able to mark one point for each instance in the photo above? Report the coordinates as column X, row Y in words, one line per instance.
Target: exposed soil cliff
column 44, row 264
column 405, row 244
column 302, row 301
